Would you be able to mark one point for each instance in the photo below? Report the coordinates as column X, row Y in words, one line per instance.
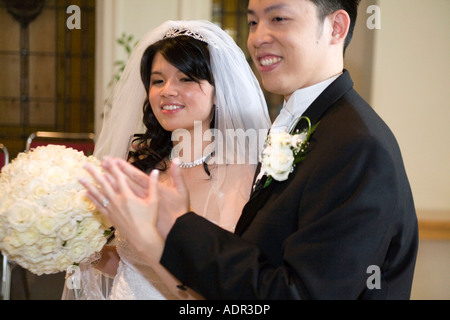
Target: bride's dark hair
column 191, row 57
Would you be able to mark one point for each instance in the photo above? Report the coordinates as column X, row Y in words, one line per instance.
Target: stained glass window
column 47, row 81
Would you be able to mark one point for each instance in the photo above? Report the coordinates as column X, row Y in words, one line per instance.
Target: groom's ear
column 340, row 22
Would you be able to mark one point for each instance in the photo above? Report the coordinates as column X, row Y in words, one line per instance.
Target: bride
column 199, row 94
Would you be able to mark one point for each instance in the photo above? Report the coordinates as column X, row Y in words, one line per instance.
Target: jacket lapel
column 333, row 93
column 260, row 195
column 257, row 200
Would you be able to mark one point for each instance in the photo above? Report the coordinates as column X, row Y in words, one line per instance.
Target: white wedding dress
column 137, row 281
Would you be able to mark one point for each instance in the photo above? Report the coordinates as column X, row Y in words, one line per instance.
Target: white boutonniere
column 283, row 150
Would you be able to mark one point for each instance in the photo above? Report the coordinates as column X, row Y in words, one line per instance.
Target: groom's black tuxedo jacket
column 343, row 226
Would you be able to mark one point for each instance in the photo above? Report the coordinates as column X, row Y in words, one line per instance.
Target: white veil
column 239, row 99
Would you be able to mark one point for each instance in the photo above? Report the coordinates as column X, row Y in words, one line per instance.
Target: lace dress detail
column 135, row 280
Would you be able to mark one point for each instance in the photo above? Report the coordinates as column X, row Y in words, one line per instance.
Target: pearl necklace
column 195, row 163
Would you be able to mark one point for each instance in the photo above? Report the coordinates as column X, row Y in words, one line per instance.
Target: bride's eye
column 156, row 82
column 186, row 79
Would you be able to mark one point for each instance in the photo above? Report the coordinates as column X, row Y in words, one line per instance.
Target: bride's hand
column 173, row 200
column 136, row 179
column 134, row 215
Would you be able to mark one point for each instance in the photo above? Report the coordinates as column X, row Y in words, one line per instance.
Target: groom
column 343, row 225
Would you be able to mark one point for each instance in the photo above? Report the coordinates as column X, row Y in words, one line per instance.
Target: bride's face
column 176, row 100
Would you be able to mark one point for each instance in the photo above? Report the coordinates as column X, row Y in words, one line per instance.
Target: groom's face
column 286, row 43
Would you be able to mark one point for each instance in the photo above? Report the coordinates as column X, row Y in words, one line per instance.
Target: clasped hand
column 138, row 205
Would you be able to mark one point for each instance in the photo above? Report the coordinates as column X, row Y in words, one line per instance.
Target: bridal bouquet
column 46, row 222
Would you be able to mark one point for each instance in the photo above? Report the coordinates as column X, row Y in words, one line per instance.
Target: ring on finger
column 105, row 203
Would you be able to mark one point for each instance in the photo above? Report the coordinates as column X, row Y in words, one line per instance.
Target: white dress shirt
column 294, row 108
column 299, row 101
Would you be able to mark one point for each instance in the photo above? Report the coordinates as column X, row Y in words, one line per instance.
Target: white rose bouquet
column 283, row 150
column 46, row 222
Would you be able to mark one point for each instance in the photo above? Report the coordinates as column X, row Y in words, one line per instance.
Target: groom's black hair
column 327, row 7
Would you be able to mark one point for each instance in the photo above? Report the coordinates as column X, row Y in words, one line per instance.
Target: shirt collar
column 297, row 104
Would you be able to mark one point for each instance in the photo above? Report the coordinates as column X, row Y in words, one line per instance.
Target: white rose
column 55, row 176
column 63, row 261
column 19, row 260
column 68, row 230
column 4, row 188
column 18, row 188
column 97, row 242
column 12, row 242
column 2, row 232
column 279, row 139
column 82, row 205
column 47, row 224
column 88, row 227
column 78, row 249
column 61, row 202
column 298, row 139
column 38, row 188
column 33, row 254
column 74, row 166
column 29, row 237
column 8, row 246
column 33, row 168
column 278, row 163
column 5, row 204
column 48, row 245
column 21, row 215
column 47, row 266
column 42, row 153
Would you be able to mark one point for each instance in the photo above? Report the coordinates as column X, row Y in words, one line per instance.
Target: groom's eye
column 252, row 23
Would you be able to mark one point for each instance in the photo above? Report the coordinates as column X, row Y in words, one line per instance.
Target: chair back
column 4, row 156
column 6, row 266
column 78, row 141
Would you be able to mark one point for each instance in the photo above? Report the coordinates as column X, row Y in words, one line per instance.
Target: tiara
column 183, row 31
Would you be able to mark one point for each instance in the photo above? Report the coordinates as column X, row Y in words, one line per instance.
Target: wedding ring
column 105, row 202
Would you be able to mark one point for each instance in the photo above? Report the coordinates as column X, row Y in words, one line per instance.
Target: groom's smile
column 268, row 62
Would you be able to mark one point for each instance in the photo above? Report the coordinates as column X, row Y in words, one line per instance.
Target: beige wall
column 403, row 70
column 411, row 91
column 360, row 54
